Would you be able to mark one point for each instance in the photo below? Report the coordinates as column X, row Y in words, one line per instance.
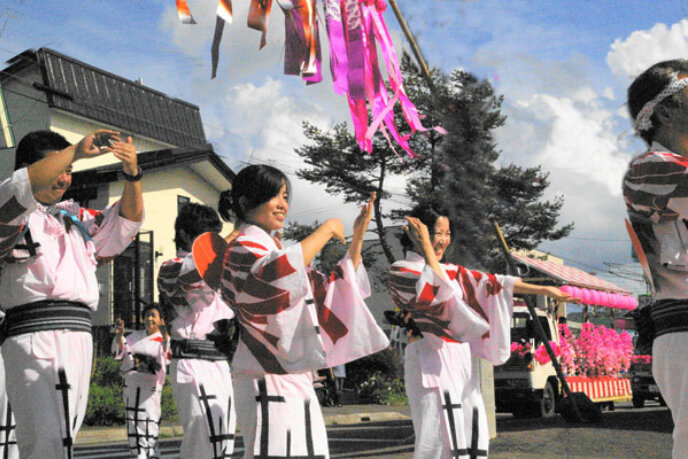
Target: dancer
column 286, row 330
column 199, row 373
column 50, row 251
column 655, row 189
column 456, row 313
column 145, row 356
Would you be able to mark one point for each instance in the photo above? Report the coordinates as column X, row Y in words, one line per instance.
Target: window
column 133, row 280
column 181, row 202
column 6, row 135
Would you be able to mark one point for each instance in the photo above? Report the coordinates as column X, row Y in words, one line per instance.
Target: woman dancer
column 459, row 313
column 286, row 332
column 199, row 373
column 145, row 356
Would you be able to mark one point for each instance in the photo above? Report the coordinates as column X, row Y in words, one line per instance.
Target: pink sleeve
column 494, row 296
column 16, row 203
column 111, row 232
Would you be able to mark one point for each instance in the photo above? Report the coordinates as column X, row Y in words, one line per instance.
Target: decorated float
column 595, row 358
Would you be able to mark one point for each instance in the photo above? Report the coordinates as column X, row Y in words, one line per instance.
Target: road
column 626, row 432
column 383, row 439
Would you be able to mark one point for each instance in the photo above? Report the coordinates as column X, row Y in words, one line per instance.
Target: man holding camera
column 50, row 250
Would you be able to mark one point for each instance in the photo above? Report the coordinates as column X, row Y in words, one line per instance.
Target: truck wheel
column 548, row 401
column 638, row 401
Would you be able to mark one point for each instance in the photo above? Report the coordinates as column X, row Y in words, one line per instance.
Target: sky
column 562, row 67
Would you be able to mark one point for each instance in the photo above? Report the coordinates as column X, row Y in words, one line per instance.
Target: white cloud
column 631, row 56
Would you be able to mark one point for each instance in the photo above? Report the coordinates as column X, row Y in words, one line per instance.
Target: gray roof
column 87, row 91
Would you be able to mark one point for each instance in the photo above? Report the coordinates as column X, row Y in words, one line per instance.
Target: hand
column 336, row 229
column 119, row 329
column 87, row 148
column 560, row 296
column 363, row 220
column 126, row 152
column 418, row 233
column 163, row 331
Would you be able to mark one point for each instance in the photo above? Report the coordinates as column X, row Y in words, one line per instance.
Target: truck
column 527, row 388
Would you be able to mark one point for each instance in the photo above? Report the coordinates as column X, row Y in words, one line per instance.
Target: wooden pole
column 414, row 45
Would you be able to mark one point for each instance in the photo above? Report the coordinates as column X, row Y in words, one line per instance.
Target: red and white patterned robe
column 286, row 332
column 461, row 314
column 202, row 389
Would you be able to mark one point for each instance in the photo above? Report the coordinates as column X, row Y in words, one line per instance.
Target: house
column 44, row 89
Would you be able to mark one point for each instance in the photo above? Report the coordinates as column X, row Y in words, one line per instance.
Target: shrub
column 385, row 362
column 383, row 390
column 105, row 406
column 105, row 399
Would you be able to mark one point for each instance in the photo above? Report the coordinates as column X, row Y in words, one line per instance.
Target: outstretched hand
column 558, row 295
column 90, row 145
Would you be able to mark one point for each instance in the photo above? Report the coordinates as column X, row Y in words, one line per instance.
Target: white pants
column 8, row 438
column 447, row 408
column 279, row 415
column 142, row 396
column 205, row 402
column 47, row 383
column 670, row 369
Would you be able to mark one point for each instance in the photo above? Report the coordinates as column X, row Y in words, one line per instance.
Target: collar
column 69, row 206
column 658, row 147
column 258, row 233
column 414, row 257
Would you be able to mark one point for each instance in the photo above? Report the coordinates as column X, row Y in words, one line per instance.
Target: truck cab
column 523, row 386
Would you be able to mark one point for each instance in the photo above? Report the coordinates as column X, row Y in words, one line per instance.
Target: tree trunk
column 381, row 232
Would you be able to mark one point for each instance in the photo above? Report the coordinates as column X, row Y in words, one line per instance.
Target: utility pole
column 426, row 74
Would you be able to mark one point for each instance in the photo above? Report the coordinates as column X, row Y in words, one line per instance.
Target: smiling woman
column 293, row 319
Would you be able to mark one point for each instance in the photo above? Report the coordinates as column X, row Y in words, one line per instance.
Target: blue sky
column 562, row 67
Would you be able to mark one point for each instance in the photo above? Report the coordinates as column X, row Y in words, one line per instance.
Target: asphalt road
column 626, row 432
column 383, row 439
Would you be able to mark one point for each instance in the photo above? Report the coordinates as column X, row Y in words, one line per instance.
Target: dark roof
column 87, row 91
column 149, row 162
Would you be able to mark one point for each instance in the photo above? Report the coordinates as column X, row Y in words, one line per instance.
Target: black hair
column 150, row 307
column 650, row 83
column 256, row 184
column 195, row 219
column 428, row 215
column 32, row 147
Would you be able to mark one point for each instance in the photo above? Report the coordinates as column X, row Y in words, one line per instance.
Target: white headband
column 643, row 121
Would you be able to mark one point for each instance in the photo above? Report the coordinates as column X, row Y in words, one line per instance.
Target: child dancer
column 145, row 356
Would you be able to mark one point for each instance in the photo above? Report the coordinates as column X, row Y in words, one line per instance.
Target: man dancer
column 656, row 193
column 50, row 250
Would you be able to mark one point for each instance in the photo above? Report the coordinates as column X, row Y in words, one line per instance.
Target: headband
column 643, row 121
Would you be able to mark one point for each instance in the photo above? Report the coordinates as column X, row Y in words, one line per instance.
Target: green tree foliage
column 457, row 170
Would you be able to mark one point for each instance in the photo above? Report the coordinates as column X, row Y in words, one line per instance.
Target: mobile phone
column 103, row 140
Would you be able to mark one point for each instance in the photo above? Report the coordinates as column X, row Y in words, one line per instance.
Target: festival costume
column 8, row 438
column 49, row 289
column 462, row 314
column 144, row 366
column 292, row 321
column 199, row 373
column 656, row 193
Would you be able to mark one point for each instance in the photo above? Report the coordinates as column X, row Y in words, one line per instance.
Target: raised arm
column 131, row 206
column 419, row 234
column 43, row 173
column 360, row 227
column 314, row 243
